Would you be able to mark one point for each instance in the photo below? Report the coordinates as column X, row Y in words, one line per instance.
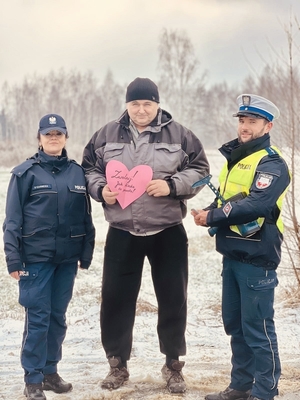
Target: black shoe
column 55, row 383
column 34, row 391
column 117, row 374
column 229, row 394
column 173, row 376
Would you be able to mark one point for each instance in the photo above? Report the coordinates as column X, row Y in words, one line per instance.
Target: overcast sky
column 123, row 35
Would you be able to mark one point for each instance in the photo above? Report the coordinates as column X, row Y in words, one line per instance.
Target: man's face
column 142, row 112
column 252, row 128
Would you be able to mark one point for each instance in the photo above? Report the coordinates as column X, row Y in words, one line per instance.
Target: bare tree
column 177, row 69
column 291, row 130
column 280, row 82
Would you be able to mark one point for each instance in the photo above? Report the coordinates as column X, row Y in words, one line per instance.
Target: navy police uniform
column 48, row 228
column 250, row 262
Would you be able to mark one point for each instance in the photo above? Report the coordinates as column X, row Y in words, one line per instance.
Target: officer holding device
column 257, row 169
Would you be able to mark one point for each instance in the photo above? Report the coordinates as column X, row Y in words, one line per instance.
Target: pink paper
column 131, row 184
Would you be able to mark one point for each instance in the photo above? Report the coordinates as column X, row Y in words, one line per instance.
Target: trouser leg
column 169, row 266
column 122, row 271
column 243, row 363
column 61, row 294
column 35, row 295
column 259, row 329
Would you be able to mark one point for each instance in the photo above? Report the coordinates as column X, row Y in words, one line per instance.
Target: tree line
column 87, row 104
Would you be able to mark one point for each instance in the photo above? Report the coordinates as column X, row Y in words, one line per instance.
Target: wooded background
column 87, row 104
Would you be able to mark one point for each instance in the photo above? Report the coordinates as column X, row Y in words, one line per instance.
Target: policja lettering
column 243, row 166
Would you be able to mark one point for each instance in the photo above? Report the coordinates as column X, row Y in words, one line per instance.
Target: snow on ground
column 207, row 366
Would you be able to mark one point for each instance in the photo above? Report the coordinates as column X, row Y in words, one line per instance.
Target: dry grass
column 291, row 297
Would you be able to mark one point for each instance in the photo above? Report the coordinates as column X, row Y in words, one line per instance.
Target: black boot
column 228, row 394
column 173, row 376
column 34, row 391
column 117, row 375
column 55, row 383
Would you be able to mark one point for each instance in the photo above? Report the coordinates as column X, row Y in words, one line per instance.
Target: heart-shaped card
column 130, row 184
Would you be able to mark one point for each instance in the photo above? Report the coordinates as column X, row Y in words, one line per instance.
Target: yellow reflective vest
column 240, row 179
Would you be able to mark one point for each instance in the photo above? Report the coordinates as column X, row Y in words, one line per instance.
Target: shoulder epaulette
column 76, row 163
column 271, row 152
column 19, row 170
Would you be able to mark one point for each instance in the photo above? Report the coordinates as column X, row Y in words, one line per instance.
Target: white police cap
column 251, row 105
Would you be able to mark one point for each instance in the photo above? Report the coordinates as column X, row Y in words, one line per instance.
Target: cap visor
column 54, row 128
column 249, row 114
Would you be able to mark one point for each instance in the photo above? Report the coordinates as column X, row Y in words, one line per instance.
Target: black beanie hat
column 142, row 89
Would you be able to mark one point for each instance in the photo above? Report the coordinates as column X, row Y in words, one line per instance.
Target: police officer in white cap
column 249, row 236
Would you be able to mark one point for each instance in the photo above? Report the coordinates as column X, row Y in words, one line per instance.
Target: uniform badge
column 263, row 181
column 246, row 100
column 227, row 209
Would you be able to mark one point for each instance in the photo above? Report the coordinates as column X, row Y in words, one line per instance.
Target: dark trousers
column 45, row 291
column 247, row 309
column 122, row 273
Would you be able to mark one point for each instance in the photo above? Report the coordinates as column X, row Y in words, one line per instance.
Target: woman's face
column 53, row 142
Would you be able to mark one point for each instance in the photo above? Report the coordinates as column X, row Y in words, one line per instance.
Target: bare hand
column 200, row 217
column 15, row 275
column 109, row 196
column 158, row 188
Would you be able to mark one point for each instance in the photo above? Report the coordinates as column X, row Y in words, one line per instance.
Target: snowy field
column 207, row 366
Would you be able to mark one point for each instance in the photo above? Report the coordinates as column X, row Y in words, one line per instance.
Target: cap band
column 258, row 111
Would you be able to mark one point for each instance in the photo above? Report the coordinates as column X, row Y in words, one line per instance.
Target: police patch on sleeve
column 263, row 181
column 227, row 209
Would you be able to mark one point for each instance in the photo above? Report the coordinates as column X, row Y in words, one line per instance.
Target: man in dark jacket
column 150, row 226
column 249, row 236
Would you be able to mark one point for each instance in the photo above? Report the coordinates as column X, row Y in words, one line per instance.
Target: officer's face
column 142, row 112
column 53, row 143
column 252, row 128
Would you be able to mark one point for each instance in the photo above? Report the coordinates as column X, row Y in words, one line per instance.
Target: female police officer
column 48, row 233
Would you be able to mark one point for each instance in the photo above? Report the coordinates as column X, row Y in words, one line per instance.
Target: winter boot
column 117, row 374
column 173, row 376
column 34, row 391
column 229, row 394
column 55, row 383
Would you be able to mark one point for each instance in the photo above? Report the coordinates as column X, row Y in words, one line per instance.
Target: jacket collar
column 233, row 151
column 53, row 163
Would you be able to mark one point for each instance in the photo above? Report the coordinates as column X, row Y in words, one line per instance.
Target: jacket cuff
column 14, row 267
column 99, row 194
column 84, row 264
column 172, row 187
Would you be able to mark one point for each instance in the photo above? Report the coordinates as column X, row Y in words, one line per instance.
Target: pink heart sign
column 131, row 184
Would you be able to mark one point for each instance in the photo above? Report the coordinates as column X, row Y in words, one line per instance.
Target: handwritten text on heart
column 130, row 184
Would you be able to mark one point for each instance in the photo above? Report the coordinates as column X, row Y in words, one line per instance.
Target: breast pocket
column 113, row 151
column 42, row 190
column 168, row 158
column 79, row 202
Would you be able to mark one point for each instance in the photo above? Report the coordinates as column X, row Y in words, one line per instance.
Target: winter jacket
column 271, row 179
column 173, row 152
column 48, row 213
